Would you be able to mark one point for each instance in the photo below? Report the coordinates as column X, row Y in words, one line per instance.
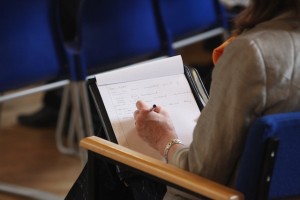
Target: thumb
column 141, row 105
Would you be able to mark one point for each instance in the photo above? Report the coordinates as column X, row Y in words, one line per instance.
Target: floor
column 29, row 157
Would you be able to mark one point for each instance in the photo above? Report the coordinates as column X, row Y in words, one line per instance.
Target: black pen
column 153, row 108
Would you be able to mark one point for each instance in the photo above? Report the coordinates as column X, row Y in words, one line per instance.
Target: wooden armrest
column 157, row 168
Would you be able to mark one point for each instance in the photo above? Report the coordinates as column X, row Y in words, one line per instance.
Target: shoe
column 46, row 117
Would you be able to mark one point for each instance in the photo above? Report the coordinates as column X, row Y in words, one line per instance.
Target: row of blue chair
column 120, row 33
column 109, row 35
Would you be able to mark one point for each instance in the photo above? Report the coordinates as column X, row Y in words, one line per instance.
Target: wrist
column 170, row 147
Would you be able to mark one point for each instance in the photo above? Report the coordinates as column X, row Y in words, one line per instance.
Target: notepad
column 162, row 82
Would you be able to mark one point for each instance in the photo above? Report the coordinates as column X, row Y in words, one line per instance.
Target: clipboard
column 194, row 81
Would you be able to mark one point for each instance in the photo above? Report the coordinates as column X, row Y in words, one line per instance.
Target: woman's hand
column 154, row 126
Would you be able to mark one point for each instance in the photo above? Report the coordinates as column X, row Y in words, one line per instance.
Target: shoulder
column 272, row 42
column 280, row 34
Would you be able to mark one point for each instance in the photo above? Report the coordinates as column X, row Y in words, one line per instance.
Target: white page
column 172, row 92
column 157, row 68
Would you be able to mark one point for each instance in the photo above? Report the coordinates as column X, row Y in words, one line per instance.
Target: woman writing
column 257, row 72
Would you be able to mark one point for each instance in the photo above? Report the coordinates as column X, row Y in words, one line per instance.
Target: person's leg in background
column 46, row 116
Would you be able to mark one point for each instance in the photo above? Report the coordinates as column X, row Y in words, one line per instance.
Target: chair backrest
column 270, row 163
column 30, row 49
column 117, row 33
column 184, row 19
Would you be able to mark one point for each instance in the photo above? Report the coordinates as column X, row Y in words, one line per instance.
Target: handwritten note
column 172, row 92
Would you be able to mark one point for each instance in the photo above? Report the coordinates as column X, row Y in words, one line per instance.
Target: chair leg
column 59, row 135
column 1, row 108
column 83, row 124
column 28, row 192
column 71, row 132
column 80, row 122
column 86, row 109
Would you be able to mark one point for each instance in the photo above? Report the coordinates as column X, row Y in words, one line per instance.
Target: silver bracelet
column 168, row 146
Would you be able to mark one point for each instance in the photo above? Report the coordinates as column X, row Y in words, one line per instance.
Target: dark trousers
column 108, row 185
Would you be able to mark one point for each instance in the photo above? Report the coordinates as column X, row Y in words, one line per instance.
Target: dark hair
column 262, row 10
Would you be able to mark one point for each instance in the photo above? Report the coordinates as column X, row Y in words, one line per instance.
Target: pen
column 153, row 107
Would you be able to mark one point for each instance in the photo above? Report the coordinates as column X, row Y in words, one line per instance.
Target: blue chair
column 111, row 34
column 191, row 21
column 31, row 54
column 119, row 33
column 269, row 165
column 30, row 51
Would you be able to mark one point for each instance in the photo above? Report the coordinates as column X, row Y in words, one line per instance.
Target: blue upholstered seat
column 30, row 50
column 187, row 22
column 113, row 34
column 270, row 164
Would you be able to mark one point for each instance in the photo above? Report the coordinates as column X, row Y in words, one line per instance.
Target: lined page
column 172, row 92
